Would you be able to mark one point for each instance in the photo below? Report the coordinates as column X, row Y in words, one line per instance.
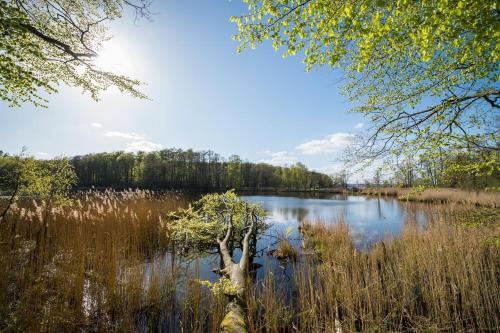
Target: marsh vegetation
column 439, row 195
column 112, row 262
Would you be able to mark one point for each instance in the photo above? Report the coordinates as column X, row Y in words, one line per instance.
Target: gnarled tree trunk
column 235, row 318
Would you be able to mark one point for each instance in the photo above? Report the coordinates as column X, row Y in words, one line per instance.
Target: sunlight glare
column 115, row 57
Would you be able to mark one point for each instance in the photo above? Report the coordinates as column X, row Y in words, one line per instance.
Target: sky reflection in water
column 370, row 220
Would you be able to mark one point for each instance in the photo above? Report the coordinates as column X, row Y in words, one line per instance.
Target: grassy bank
column 440, row 195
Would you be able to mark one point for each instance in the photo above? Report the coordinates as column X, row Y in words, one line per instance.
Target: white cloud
column 142, row 145
column 96, row 125
column 280, row 158
column 123, row 135
column 332, row 169
column 357, row 174
column 332, row 143
column 134, row 142
column 359, row 125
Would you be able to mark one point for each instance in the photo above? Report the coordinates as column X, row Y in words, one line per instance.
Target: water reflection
column 371, row 219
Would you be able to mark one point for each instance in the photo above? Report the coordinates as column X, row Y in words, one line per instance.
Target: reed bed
column 440, row 195
column 442, row 279
column 98, row 265
column 104, row 265
column 387, row 191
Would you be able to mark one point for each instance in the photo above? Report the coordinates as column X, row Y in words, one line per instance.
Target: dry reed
column 103, row 265
column 442, row 279
column 99, row 265
column 440, row 195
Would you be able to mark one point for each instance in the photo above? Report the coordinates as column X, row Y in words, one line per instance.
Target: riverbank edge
column 438, row 195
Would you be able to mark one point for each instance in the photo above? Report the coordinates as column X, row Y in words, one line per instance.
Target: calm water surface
column 371, row 219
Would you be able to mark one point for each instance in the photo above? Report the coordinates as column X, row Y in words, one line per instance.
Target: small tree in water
column 221, row 223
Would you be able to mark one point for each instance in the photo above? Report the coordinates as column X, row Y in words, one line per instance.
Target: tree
column 340, row 179
column 201, row 170
column 223, row 222
column 424, row 72
column 49, row 181
column 234, row 171
column 471, row 170
column 377, row 177
column 405, row 172
column 47, row 42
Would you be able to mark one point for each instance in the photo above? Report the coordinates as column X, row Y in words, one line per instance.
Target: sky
column 203, row 95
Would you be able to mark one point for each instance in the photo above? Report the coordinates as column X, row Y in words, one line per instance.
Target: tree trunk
column 234, row 320
column 12, row 197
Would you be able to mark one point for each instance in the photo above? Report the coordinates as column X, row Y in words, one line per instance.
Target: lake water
column 371, row 219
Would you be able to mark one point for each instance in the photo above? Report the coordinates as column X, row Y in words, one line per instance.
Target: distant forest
column 179, row 169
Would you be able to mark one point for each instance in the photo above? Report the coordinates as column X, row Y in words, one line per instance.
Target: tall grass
column 96, row 266
column 104, row 265
column 440, row 195
column 442, row 279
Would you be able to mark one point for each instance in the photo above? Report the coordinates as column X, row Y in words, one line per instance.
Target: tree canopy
column 188, row 169
column 49, row 181
column 225, row 222
column 47, row 42
column 205, row 223
column 424, row 72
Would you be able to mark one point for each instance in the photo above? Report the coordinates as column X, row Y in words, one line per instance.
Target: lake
column 371, row 219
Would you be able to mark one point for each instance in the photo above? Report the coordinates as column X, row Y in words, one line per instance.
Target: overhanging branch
column 61, row 45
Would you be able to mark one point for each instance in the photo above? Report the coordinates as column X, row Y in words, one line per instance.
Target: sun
column 115, row 57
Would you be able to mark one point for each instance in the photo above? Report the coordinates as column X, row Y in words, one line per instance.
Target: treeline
column 467, row 169
column 179, row 169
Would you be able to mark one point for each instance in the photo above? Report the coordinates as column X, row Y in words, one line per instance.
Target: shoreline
column 438, row 195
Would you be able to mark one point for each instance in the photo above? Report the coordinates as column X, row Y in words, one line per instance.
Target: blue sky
column 203, row 96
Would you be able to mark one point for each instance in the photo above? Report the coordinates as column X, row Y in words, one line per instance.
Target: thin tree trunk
column 12, row 197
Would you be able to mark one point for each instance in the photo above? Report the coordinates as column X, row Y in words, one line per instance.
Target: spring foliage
column 188, row 169
column 44, row 43
column 199, row 227
column 45, row 180
column 424, row 72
